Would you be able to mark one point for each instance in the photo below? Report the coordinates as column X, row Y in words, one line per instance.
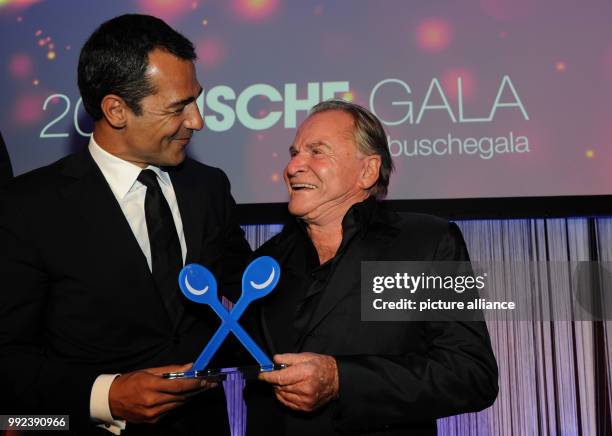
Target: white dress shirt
column 122, row 176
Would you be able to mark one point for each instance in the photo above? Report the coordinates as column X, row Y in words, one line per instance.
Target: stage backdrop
column 489, row 98
column 484, row 98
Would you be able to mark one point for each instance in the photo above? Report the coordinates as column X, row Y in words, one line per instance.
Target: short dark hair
column 114, row 59
column 370, row 138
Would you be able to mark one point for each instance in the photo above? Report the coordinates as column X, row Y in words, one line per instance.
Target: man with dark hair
column 91, row 246
column 114, row 60
column 344, row 375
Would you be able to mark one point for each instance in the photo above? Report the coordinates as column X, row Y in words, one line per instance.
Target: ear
column 114, row 110
column 370, row 171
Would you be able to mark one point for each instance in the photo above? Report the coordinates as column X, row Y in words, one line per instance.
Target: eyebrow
column 312, row 145
column 186, row 101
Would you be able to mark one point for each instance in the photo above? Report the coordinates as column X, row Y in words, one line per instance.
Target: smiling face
column 169, row 116
column 327, row 174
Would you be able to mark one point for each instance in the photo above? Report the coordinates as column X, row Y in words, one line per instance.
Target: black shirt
column 310, row 277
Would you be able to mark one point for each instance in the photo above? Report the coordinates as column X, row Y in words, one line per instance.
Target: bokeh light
column 20, row 66
column 211, row 52
column 434, row 35
column 450, row 85
column 507, row 10
column 560, row 66
column 17, row 4
column 255, row 10
column 167, row 10
column 28, row 110
column 589, row 154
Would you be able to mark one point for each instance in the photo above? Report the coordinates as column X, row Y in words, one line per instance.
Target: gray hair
column 370, row 138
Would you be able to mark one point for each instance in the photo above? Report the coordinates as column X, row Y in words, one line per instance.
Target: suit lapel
column 100, row 212
column 98, row 207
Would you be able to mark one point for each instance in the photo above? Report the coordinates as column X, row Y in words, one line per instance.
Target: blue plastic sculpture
column 199, row 285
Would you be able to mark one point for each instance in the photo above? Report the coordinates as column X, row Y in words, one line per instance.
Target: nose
column 296, row 164
column 193, row 119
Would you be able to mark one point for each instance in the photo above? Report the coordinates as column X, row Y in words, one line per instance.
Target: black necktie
column 166, row 257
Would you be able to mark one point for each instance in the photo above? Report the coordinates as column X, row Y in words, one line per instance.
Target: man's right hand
column 144, row 396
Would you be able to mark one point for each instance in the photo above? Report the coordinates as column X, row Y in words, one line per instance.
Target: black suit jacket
column 78, row 298
column 395, row 378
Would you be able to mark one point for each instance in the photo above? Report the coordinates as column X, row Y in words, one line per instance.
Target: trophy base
column 220, row 374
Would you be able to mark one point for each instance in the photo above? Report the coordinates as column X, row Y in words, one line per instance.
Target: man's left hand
column 309, row 382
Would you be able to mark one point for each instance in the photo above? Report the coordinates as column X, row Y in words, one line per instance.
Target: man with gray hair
column 344, row 375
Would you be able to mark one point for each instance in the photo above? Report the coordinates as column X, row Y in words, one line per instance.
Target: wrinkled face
column 169, row 116
column 325, row 175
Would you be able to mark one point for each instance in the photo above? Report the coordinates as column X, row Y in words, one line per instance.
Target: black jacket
column 77, row 298
column 396, row 378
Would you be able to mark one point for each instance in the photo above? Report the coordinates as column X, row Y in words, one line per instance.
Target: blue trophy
column 199, row 285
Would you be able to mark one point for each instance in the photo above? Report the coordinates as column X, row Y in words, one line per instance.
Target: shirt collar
column 359, row 216
column 120, row 174
column 356, row 220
